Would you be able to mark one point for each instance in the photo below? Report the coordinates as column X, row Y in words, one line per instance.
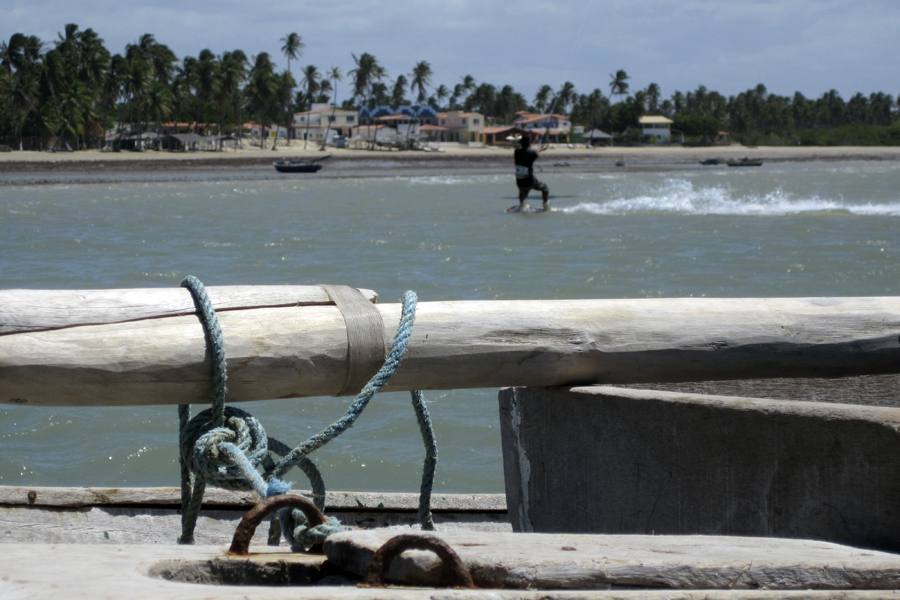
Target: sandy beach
column 455, row 156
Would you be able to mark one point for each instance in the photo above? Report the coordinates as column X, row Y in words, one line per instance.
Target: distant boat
column 712, row 161
column 745, row 162
column 296, row 166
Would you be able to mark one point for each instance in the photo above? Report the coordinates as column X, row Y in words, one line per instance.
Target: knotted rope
column 226, row 446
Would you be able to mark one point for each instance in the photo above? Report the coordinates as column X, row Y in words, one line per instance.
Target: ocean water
column 789, row 229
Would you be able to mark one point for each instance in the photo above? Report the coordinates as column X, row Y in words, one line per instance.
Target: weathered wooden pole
column 280, row 347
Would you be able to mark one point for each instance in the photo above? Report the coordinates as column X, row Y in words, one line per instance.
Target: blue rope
column 427, row 431
column 407, row 317
column 226, row 446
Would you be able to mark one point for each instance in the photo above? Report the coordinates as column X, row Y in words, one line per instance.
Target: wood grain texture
column 75, row 497
column 602, row 459
column 41, row 310
column 503, row 561
column 870, row 390
column 302, row 351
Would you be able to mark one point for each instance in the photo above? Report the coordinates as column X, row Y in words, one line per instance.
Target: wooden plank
column 302, row 351
column 40, row 310
column 118, row 524
column 869, row 390
column 72, row 497
column 582, row 562
column 611, row 460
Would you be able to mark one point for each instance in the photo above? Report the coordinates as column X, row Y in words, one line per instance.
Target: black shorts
column 535, row 185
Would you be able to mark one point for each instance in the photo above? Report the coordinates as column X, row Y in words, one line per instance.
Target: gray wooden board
column 98, row 572
column 870, row 390
column 614, row 460
column 143, row 525
column 40, row 310
column 151, row 515
column 94, row 496
column 569, row 561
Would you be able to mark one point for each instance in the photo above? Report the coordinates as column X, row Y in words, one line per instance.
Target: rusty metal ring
column 381, row 561
column 240, row 543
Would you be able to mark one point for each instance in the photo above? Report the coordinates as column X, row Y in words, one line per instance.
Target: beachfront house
column 463, row 127
column 553, row 128
column 322, row 122
column 401, row 126
column 656, row 126
column 597, row 137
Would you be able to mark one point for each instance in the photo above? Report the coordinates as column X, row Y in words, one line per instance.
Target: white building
column 552, row 127
column 660, row 127
column 322, row 122
column 464, row 127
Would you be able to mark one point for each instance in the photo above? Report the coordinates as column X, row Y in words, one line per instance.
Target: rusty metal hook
column 381, row 561
column 240, row 543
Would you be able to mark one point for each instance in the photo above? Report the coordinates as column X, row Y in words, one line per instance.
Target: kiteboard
column 526, row 209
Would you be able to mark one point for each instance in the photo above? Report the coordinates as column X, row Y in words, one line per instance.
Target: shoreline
column 453, row 156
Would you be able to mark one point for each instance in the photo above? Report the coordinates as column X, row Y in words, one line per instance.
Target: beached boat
column 745, row 162
column 283, row 166
column 300, row 166
column 711, row 161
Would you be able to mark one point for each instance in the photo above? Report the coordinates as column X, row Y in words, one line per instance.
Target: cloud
column 727, row 46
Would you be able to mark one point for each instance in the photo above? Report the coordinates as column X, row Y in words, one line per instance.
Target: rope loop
column 297, row 532
column 228, row 456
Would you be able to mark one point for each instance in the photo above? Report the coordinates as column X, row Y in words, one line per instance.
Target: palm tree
column 232, row 73
column 310, row 81
column 441, row 93
column 335, row 75
column 293, row 47
column 398, row 91
column 162, row 63
column 207, row 71
column 468, row 83
column 74, row 78
column 590, row 108
column 136, row 80
column 421, row 79
column 618, row 84
column 379, row 94
column 261, row 90
column 285, row 85
column 482, row 99
column 508, row 102
column 653, row 98
column 565, row 97
column 458, row 91
column 158, row 100
column 323, row 96
column 542, row 98
column 21, row 59
column 366, row 73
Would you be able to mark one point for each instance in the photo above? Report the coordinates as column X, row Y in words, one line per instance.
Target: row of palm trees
column 73, row 90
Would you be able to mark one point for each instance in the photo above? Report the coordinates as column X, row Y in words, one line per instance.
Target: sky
column 810, row 46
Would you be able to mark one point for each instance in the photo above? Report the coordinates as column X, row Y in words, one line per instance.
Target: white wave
column 680, row 196
column 458, row 179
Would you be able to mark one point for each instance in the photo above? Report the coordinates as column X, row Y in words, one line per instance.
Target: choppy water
column 781, row 230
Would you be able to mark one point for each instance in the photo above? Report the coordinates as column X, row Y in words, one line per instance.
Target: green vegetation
column 69, row 92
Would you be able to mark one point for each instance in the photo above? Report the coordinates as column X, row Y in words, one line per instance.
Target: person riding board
column 524, row 157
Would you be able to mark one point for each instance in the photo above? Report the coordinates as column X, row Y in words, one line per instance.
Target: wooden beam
column 42, row 310
column 302, row 350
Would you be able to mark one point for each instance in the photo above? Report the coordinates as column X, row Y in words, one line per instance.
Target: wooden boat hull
column 286, row 167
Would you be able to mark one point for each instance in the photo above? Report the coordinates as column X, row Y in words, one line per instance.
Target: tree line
column 73, row 90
